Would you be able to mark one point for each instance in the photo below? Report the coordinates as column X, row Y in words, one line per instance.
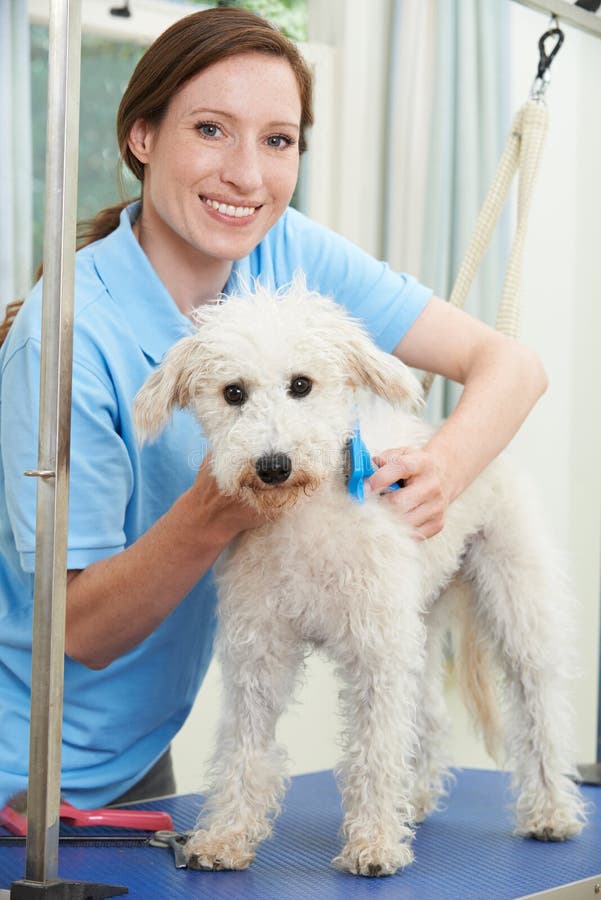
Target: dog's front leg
column 381, row 664
column 259, row 670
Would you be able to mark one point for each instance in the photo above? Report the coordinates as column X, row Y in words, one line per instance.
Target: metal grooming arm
column 50, row 585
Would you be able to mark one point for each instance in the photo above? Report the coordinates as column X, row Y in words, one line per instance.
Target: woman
column 212, row 123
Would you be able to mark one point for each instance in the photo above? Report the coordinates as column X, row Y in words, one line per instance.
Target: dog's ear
column 167, row 388
column 380, row 372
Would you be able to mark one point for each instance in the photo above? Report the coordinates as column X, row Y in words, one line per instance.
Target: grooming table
column 466, row 852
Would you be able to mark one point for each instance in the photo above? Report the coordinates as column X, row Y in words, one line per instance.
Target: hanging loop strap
column 523, row 151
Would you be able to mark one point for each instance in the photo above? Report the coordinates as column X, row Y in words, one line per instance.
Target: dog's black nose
column 273, row 468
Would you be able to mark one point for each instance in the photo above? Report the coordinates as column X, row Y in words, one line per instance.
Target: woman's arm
column 502, row 381
column 112, row 605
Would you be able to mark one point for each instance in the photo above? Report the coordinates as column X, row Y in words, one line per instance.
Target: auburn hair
column 186, row 48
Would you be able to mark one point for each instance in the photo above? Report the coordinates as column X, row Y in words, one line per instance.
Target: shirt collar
column 130, row 279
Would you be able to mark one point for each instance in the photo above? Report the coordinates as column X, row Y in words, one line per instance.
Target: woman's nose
column 242, row 168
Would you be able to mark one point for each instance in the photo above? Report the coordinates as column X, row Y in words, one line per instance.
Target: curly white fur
column 349, row 579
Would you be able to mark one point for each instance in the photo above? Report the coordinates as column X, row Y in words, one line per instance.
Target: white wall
column 561, row 442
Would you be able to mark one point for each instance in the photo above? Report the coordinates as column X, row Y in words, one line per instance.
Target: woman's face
column 222, row 165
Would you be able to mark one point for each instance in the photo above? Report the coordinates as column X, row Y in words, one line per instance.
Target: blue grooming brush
column 360, row 466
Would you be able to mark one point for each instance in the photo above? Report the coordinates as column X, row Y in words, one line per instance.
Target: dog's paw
column 428, row 793
column 553, row 827
column 218, row 850
column 373, row 860
column 557, row 821
column 423, row 803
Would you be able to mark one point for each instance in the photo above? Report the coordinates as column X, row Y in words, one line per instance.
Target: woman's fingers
column 422, row 500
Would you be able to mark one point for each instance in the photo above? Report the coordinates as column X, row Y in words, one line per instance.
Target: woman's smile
column 231, row 212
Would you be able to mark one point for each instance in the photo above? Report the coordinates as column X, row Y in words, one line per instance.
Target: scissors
column 175, row 840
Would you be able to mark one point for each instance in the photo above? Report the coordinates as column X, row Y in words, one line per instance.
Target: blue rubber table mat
column 466, row 852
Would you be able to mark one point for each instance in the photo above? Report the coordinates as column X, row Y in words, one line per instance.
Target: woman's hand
column 225, row 516
column 423, row 501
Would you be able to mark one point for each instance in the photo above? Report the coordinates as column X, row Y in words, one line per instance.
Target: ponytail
column 88, row 231
column 100, row 226
column 9, row 317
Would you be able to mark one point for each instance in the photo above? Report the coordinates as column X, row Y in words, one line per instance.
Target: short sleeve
column 387, row 302
column 101, row 478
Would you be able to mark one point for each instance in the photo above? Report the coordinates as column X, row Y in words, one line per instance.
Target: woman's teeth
column 237, row 211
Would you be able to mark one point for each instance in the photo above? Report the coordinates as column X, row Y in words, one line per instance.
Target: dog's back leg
column 520, row 604
column 259, row 668
column 433, row 721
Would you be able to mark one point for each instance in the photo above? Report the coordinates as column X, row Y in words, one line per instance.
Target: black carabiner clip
column 546, row 59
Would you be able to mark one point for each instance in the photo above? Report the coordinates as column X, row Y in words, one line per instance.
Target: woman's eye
column 300, row 386
column 234, row 394
column 280, row 141
column 208, row 129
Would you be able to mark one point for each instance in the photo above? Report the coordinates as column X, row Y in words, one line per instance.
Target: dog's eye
column 234, row 394
column 300, row 386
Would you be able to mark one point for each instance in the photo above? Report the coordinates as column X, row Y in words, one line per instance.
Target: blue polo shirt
column 118, row 721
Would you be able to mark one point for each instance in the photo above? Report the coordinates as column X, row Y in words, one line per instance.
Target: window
column 106, row 66
column 289, row 15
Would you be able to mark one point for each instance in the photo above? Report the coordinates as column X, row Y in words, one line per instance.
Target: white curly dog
column 277, row 382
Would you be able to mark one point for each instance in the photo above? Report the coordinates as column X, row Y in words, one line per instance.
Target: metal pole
column 50, row 583
column 568, row 13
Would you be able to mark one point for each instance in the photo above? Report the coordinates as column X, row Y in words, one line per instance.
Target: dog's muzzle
column 273, row 468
